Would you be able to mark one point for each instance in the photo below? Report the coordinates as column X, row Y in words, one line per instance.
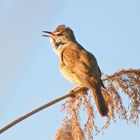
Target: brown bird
column 77, row 64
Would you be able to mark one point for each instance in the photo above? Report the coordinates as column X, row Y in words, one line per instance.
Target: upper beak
column 49, row 34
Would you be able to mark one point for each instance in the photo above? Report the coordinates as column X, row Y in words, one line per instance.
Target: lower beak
column 48, row 34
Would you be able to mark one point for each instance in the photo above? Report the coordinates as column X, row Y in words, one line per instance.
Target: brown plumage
column 78, row 65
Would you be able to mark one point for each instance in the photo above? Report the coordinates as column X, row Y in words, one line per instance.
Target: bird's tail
column 100, row 102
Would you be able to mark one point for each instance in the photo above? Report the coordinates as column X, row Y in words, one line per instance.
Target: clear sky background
column 29, row 74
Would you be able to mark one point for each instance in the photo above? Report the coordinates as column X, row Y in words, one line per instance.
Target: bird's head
column 60, row 37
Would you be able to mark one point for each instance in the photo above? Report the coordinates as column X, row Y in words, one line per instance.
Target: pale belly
column 69, row 75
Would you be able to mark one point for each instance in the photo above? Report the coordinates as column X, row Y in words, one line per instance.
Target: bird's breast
column 69, row 74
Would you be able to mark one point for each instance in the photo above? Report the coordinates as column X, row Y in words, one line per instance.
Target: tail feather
column 98, row 96
column 100, row 102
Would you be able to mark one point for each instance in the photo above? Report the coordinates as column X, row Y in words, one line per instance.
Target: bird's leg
column 78, row 89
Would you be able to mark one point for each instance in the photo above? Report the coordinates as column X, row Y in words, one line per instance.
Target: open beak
column 48, row 34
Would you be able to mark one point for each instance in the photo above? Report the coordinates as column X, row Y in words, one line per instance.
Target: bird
column 78, row 65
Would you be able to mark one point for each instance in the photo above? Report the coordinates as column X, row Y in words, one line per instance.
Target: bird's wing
column 81, row 62
column 90, row 61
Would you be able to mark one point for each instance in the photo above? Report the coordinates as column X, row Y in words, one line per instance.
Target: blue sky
column 29, row 74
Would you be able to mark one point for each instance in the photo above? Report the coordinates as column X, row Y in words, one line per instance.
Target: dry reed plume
column 120, row 84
